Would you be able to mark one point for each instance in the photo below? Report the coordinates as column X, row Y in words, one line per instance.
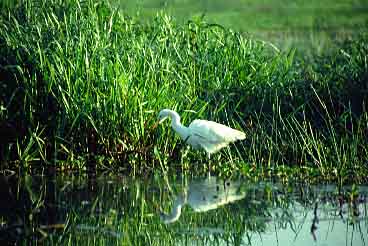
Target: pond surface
column 109, row 209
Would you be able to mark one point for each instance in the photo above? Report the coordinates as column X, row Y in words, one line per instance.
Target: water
column 110, row 209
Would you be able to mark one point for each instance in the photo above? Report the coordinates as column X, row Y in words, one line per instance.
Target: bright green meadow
column 82, row 82
column 285, row 24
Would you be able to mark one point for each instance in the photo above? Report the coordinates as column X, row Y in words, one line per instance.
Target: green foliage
column 79, row 78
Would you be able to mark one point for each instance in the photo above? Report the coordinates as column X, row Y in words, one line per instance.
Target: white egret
column 209, row 135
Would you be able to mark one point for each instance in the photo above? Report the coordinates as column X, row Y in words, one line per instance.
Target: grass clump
column 81, row 79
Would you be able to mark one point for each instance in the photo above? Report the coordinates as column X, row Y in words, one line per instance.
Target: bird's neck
column 177, row 126
column 175, row 118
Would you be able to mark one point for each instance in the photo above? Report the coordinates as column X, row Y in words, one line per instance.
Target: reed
column 81, row 81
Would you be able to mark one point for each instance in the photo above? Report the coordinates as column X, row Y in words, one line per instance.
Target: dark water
column 110, row 209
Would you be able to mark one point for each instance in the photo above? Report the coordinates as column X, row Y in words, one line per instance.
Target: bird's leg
column 186, row 139
column 209, row 165
column 184, row 154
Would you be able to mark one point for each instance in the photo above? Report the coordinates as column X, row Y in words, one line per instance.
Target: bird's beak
column 159, row 122
column 162, row 119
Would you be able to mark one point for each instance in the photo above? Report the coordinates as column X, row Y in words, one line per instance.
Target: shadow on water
column 81, row 209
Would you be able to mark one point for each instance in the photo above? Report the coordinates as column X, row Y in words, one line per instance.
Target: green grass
column 250, row 16
column 82, row 81
column 303, row 24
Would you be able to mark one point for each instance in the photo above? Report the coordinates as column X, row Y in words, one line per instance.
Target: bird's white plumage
column 209, row 135
column 213, row 136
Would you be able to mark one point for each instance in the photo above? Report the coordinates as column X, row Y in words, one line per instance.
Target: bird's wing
column 215, row 132
column 213, row 136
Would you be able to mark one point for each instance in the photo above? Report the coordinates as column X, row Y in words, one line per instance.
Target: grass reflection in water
column 77, row 209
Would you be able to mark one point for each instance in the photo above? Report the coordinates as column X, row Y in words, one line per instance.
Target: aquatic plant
column 82, row 83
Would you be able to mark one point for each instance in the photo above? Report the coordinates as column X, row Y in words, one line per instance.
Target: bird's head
column 163, row 115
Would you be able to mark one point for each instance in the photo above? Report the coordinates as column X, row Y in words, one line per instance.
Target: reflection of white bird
column 209, row 135
column 203, row 196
